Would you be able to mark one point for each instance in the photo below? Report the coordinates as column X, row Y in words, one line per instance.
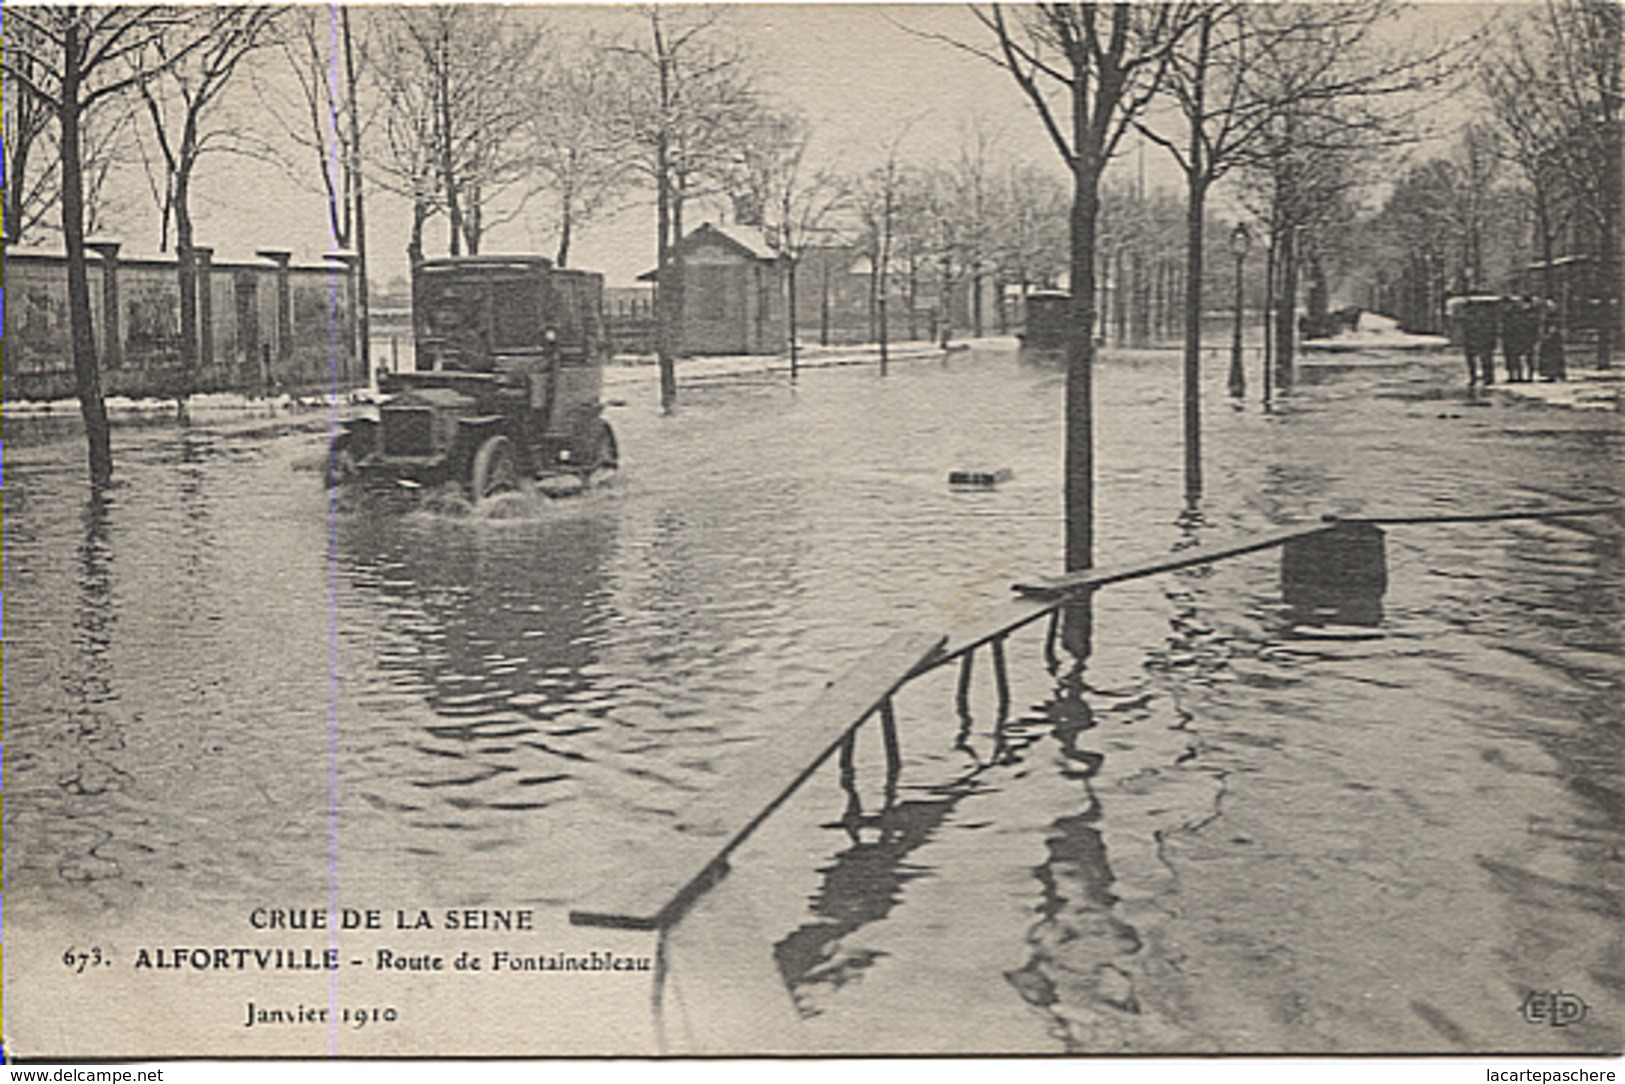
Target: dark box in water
column 980, row 477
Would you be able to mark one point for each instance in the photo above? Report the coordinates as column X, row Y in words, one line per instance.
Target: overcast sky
column 856, row 71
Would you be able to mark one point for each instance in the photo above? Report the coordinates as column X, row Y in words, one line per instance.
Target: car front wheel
column 495, row 469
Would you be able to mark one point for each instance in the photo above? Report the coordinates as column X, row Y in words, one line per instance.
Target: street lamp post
column 1240, row 241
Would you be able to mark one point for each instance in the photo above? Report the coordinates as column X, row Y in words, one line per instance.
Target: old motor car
column 509, row 373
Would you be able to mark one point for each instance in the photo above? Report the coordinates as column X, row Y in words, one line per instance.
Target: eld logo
column 1555, row 1008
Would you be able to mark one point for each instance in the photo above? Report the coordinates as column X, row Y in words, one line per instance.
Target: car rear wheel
column 495, row 469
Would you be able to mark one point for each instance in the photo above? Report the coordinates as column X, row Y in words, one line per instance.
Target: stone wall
column 264, row 327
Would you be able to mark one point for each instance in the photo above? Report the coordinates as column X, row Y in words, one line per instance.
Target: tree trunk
column 794, row 346
column 1286, row 309
column 665, row 316
column 1118, row 307
column 885, row 283
column 86, row 368
column 363, row 298
column 976, row 300
column 1543, row 221
column 823, row 307
column 1613, row 187
column 913, row 301
column 448, row 174
column 1268, row 316
column 561, row 257
column 16, row 177
column 1195, row 211
column 1080, row 361
column 1077, row 620
column 874, row 300
column 679, row 282
column 414, row 247
column 186, row 272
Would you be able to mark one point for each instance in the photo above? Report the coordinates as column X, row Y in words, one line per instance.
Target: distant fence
column 636, row 331
column 263, row 328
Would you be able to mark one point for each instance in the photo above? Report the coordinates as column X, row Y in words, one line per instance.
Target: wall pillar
column 284, row 299
column 350, row 261
column 203, row 265
column 112, row 337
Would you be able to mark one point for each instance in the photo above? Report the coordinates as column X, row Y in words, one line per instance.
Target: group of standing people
column 1531, row 340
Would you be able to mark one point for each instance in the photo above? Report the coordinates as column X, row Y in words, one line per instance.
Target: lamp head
column 1241, row 239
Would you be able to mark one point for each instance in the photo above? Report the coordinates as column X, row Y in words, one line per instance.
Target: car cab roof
column 470, row 263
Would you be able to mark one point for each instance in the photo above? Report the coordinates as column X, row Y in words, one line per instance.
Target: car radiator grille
column 408, row 431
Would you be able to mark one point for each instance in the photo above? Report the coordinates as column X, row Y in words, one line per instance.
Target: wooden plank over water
column 718, row 822
column 1559, row 512
column 1091, row 578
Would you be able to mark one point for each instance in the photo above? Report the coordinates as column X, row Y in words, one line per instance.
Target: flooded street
column 1226, row 835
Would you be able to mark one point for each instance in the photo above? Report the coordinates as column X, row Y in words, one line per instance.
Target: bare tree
column 30, row 194
column 1530, row 145
column 322, row 119
column 1031, row 236
column 913, row 244
column 481, row 65
column 945, row 226
column 880, row 199
column 959, row 205
column 573, row 142
column 794, row 209
column 1450, row 224
column 1336, row 97
column 181, row 104
column 34, row 164
column 1089, row 70
column 327, row 119
column 406, row 161
column 1245, row 66
column 687, row 105
column 1555, row 84
column 76, row 59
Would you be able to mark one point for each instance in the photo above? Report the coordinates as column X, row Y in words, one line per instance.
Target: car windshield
column 451, row 308
column 516, row 314
column 499, row 312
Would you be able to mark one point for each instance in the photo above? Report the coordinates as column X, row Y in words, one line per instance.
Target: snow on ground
column 1375, row 339
column 1585, row 389
column 640, row 369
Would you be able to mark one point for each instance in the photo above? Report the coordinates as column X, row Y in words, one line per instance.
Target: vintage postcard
column 812, row 529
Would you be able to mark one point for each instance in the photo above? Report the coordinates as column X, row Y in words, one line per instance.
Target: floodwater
column 1231, row 831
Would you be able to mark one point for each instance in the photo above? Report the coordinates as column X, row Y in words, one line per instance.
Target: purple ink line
column 334, row 347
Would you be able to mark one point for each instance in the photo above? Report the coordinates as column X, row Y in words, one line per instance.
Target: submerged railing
column 1336, row 552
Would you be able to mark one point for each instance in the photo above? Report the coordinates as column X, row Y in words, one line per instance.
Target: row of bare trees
column 67, row 68
column 1290, row 96
column 1554, row 84
column 1531, row 183
column 471, row 115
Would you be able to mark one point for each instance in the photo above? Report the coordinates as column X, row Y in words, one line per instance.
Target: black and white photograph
column 1086, row 530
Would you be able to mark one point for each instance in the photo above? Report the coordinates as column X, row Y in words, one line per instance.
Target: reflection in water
column 861, row 886
column 94, row 620
column 485, row 639
column 1080, row 949
column 864, row 883
column 94, row 737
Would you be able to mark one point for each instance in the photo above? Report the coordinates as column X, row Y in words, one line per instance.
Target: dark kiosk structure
column 510, row 355
column 1048, row 317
